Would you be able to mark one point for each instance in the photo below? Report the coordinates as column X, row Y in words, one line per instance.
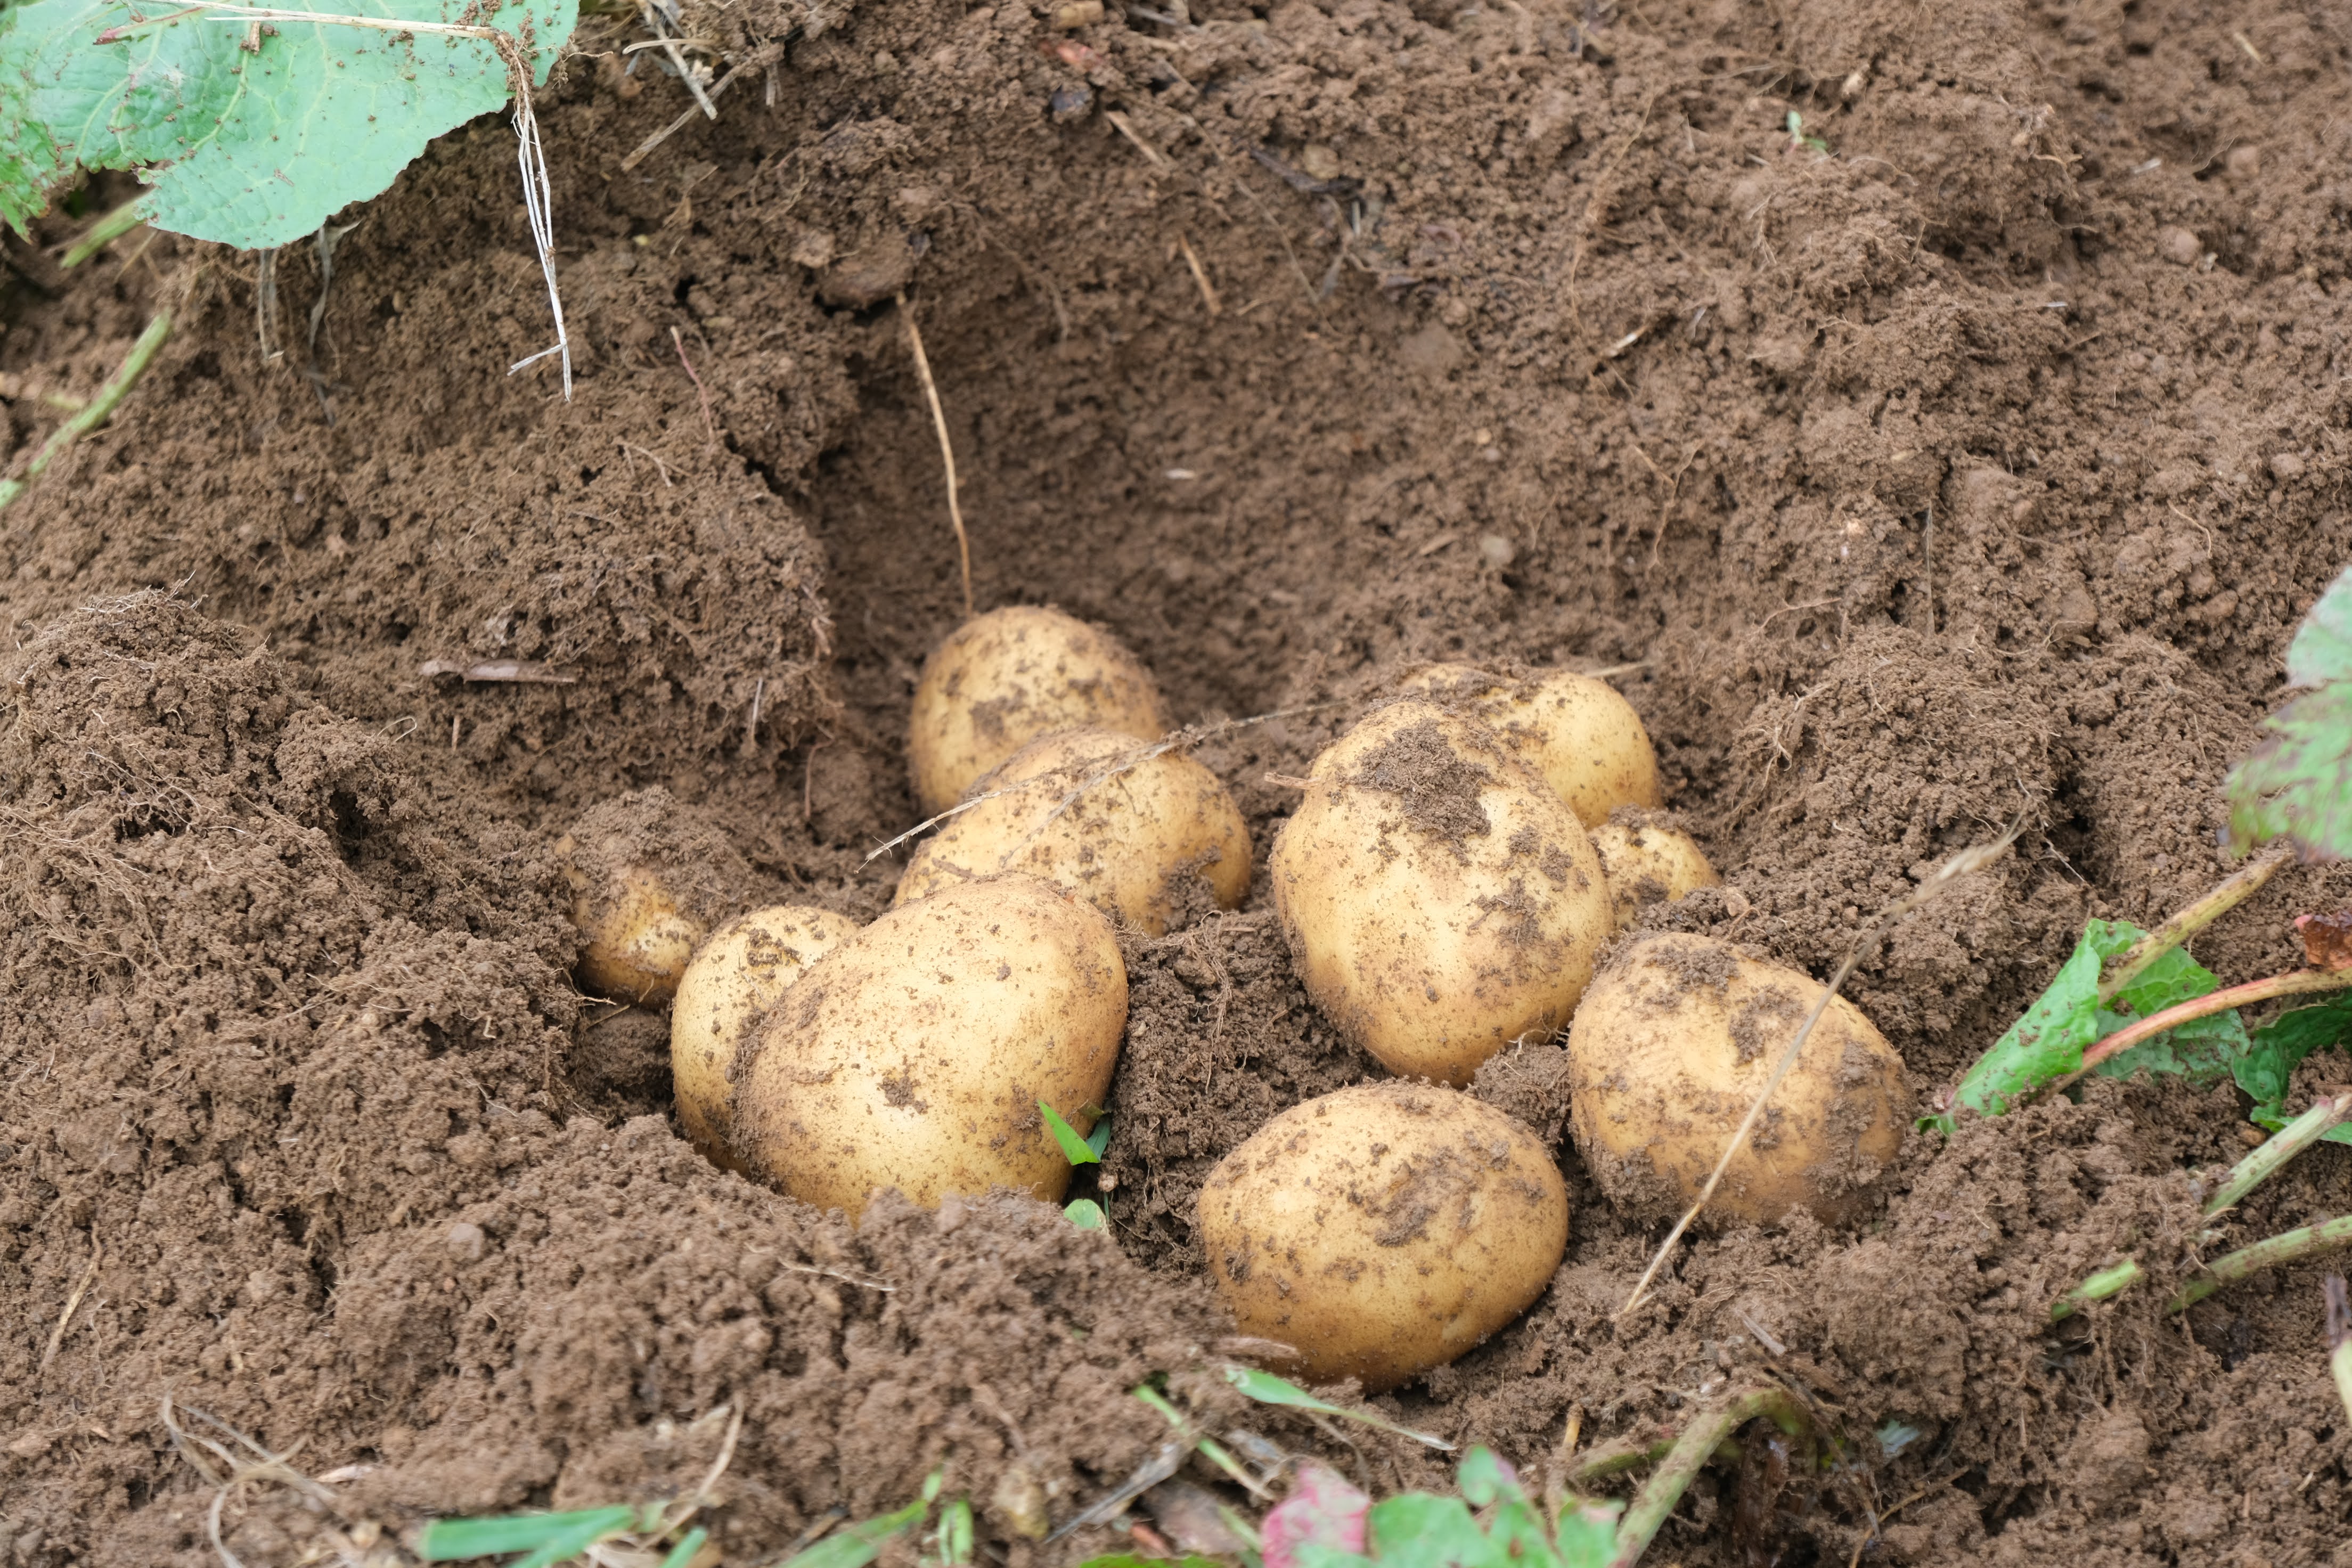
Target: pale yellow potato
column 734, row 977
column 1672, row 1044
column 1582, row 736
column 1128, row 844
column 638, row 939
column 1648, row 863
column 1383, row 1230
column 1440, row 901
column 914, row 1055
column 1003, row 679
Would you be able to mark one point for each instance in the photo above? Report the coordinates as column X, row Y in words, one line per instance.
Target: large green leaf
column 2321, row 649
column 255, row 148
column 2298, row 784
column 2278, row 1049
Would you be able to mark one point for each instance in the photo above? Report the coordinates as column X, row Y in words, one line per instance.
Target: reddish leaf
column 2327, row 939
column 1322, row 1509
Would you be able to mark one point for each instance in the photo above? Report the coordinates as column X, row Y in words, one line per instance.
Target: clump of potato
column 1383, row 1230
column 1439, row 900
column 648, row 878
column 914, row 1055
column 1647, row 862
column 1577, row 732
column 1672, row 1044
column 1080, row 810
column 734, row 978
column 1003, row 679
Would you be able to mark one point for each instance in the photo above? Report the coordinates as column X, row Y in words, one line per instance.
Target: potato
column 914, row 1054
column 736, row 976
column 1130, row 844
column 1439, row 901
column 1002, row 680
column 1672, row 1042
column 638, row 940
column 1578, row 733
column 1647, row 862
column 1383, row 1230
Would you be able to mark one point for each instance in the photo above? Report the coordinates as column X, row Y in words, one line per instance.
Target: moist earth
column 1936, row 417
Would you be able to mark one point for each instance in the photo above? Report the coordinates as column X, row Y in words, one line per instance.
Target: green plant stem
column 2106, row 1282
column 2281, row 1146
column 1698, row 1444
column 2129, row 964
column 102, row 233
column 2295, row 983
column 2292, row 1247
column 142, row 353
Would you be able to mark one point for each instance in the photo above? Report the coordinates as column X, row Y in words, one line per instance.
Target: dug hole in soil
column 1960, row 460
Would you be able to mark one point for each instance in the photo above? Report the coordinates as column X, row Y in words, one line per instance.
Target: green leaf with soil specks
column 2279, row 1047
column 2321, row 649
column 2047, row 1044
column 2298, row 784
column 254, row 148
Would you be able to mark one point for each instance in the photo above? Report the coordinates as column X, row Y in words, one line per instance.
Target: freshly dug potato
column 1440, row 901
column 1672, row 1043
column 735, row 977
column 1578, row 733
column 1129, row 845
column 1647, row 862
column 1003, row 679
column 1383, row 1230
column 914, row 1054
column 649, row 877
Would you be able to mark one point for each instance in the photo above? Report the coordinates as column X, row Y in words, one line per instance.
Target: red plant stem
column 2295, row 983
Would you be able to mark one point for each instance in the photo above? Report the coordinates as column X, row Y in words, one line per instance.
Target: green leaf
column 1099, row 1139
column 2321, row 649
column 1588, row 1532
column 251, row 149
column 688, row 1545
column 1268, row 1389
column 1075, row 1148
column 2047, row 1042
column 448, row 1540
column 2279, row 1047
column 1084, row 1213
column 1414, row 1529
column 856, row 1546
column 956, row 1532
column 2298, row 784
column 1131, row 1559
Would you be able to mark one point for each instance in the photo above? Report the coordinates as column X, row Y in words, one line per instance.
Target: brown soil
column 1972, row 473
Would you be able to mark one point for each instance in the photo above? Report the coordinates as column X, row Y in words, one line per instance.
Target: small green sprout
column 1077, row 1150
column 1801, row 142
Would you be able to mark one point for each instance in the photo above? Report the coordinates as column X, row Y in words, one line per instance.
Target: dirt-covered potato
column 1138, row 845
column 1439, row 900
column 1001, row 679
column 914, row 1054
column 649, row 876
column 1383, row 1230
column 1577, row 732
column 1647, row 862
column 1672, row 1043
column 732, row 979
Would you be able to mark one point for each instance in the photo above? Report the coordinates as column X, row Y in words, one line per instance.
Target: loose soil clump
column 1956, row 455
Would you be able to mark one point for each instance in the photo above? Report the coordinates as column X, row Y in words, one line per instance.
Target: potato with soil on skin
column 649, row 876
column 1647, row 862
column 1383, row 1230
column 1576, row 731
column 1128, row 844
column 1440, row 900
column 1002, row 680
column 913, row 1055
column 1672, row 1044
column 732, row 979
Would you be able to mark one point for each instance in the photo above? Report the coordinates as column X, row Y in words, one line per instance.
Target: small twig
column 64, row 1319
column 1973, row 859
column 710, row 426
column 1934, row 1486
column 117, row 387
column 1152, row 155
column 647, row 146
column 1201, row 277
column 685, row 72
column 517, row 671
column 752, row 728
column 2128, row 965
column 2296, row 982
column 947, row 448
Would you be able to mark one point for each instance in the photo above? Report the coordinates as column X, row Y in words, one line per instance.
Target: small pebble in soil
column 1070, row 102
column 1496, row 551
column 2177, row 244
column 2243, row 162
